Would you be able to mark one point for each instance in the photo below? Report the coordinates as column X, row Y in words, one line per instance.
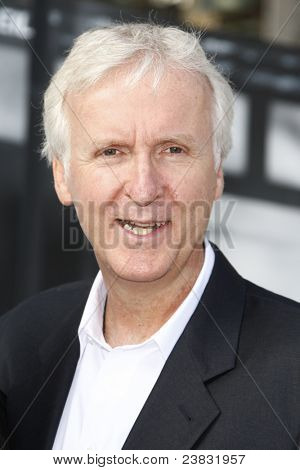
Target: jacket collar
column 213, row 333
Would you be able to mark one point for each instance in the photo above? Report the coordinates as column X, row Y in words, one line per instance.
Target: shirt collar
column 91, row 325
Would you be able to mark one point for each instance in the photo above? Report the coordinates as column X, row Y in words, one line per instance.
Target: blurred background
column 256, row 43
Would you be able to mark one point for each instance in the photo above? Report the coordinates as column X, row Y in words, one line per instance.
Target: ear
column 220, row 182
column 60, row 183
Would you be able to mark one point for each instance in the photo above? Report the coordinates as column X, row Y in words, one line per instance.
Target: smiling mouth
column 139, row 228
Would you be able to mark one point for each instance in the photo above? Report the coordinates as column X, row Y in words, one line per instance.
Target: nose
column 144, row 182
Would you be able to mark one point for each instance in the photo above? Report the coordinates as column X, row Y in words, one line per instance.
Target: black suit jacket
column 231, row 382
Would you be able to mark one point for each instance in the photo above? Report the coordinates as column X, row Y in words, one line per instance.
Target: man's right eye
column 109, row 152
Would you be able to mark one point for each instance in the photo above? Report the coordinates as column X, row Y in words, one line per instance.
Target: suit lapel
column 40, row 401
column 180, row 408
column 58, row 383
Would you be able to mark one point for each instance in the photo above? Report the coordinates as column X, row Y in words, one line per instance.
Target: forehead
column 181, row 101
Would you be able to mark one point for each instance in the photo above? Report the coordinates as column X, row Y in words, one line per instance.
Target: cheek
column 196, row 196
column 93, row 184
column 197, row 188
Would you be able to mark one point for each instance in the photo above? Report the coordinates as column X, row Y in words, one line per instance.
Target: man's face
column 142, row 156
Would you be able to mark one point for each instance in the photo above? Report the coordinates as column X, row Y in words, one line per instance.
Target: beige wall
column 281, row 20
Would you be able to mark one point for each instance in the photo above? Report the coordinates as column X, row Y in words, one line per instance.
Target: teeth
column 142, row 231
column 129, row 225
column 143, row 225
column 137, row 230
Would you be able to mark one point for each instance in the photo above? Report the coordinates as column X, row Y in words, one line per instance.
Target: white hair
column 144, row 47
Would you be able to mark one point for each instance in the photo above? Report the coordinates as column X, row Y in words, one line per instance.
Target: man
column 169, row 348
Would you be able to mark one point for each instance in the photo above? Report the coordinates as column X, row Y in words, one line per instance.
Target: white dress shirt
column 111, row 385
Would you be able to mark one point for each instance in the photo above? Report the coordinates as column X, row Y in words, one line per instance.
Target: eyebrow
column 184, row 138
column 99, row 143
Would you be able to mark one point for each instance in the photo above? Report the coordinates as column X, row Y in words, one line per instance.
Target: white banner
column 167, row 460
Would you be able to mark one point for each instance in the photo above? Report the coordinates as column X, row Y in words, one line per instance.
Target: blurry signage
column 15, row 23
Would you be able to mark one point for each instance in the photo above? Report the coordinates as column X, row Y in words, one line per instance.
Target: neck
column 135, row 311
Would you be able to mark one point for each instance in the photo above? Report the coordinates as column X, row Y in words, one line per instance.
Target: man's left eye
column 110, row 152
column 175, row 149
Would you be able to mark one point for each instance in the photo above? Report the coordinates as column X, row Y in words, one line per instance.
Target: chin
column 138, row 277
column 140, row 272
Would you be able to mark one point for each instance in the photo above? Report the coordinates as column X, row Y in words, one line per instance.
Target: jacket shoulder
column 264, row 295
column 46, row 302
column 23, row 328
column 272, row 322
